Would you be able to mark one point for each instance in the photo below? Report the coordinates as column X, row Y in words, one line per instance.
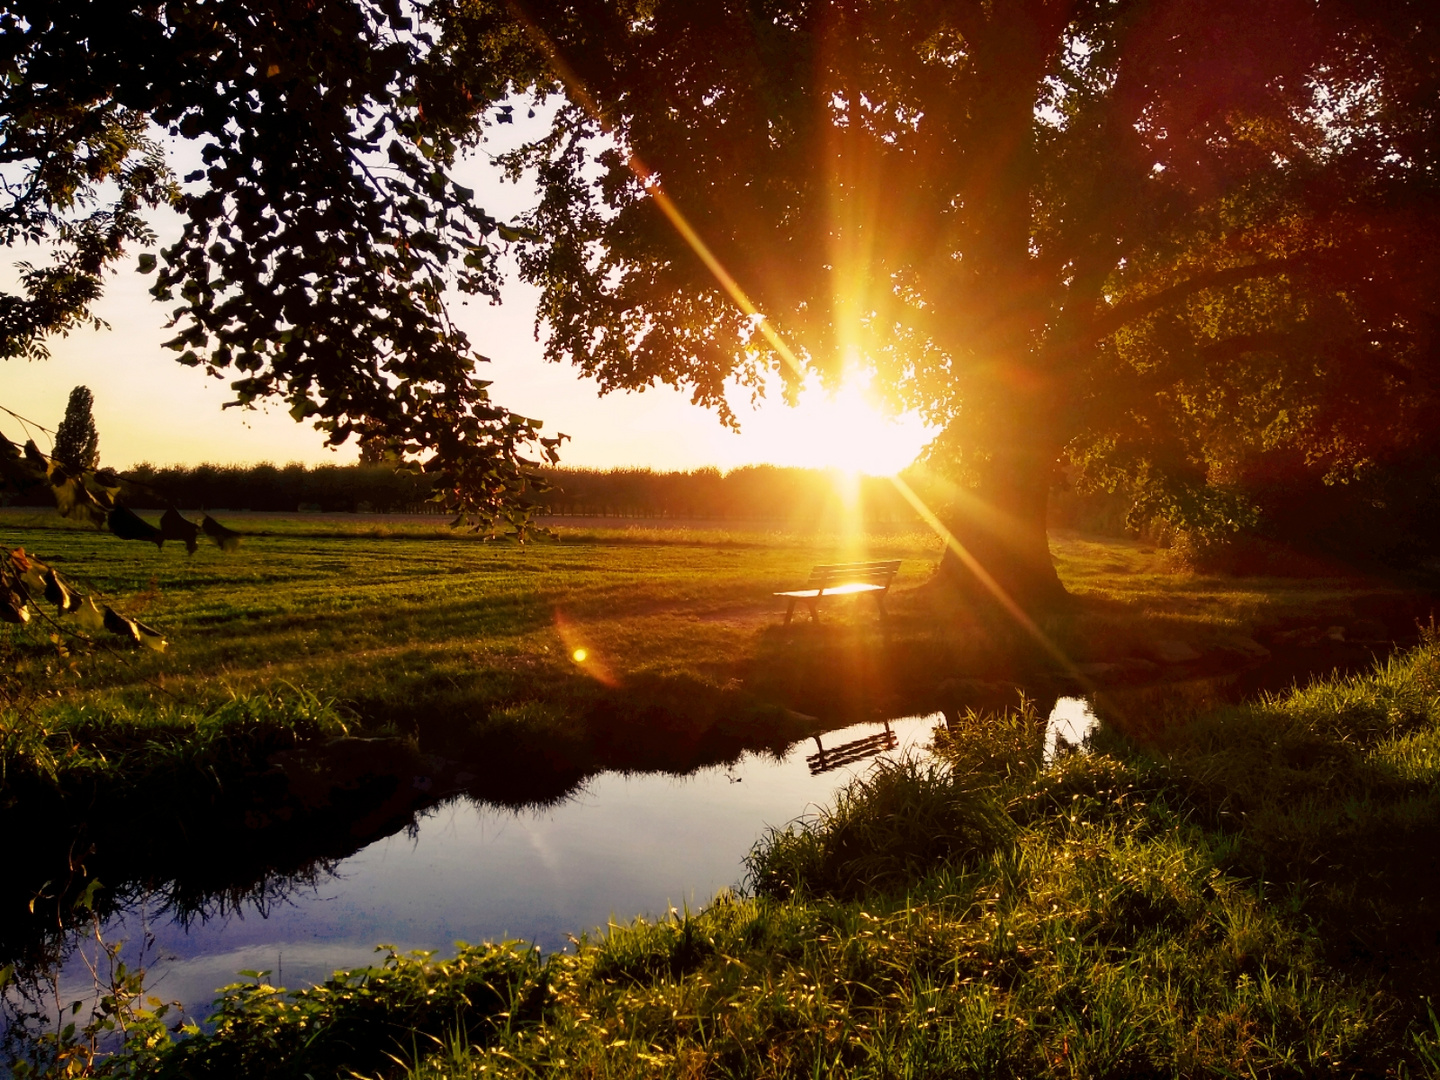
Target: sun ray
column 1014, row 610
column 762, row 325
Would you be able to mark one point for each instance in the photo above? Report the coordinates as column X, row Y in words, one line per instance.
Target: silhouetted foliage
column 77, row 443
column 1154, row 237
column 321, row 232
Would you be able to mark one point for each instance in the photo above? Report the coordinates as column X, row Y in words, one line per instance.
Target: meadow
column 398, row 620
column 1216, row 888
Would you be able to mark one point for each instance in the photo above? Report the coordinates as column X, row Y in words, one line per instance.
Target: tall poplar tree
column 77, row 443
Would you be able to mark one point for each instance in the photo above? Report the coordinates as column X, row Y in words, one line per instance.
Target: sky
column 149, row 408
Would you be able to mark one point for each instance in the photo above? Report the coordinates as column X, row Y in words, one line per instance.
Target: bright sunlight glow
column 843, row 429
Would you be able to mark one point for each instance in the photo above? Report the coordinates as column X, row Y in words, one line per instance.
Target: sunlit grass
column 423, row 614
column 431, row 621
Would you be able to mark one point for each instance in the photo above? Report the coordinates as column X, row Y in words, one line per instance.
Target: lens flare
column 580, row 647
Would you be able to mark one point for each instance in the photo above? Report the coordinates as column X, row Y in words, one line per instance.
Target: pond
column 622, row 845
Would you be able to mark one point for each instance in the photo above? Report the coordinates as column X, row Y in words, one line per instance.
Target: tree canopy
column 1160, row 240
column 1152, row 237
column 320, row 233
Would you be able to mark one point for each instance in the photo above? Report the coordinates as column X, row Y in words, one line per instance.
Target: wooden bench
column 843, row 579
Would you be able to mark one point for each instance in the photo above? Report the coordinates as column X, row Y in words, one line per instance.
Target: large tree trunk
column 1001, row 553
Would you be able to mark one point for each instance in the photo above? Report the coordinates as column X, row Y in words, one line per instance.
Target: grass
column 1128, row 593
column 404, row 620
column 1213, row 892
column 380, row 619
column 1246, row 891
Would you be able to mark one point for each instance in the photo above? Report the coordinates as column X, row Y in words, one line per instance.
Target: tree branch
column 1232, row 348
column 1120, row 314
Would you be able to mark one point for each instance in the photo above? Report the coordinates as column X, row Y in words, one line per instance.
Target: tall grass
column 67, row 746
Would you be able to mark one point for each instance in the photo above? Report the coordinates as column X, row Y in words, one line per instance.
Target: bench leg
column 814, row 610
column 880, row 603
column 790, row 611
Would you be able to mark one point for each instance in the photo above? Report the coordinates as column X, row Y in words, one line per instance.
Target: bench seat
column 839, row 590
column 842, row 579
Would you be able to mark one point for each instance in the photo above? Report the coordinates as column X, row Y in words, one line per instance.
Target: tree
column 1132, row 233
column 320, row 234
column 77, row 443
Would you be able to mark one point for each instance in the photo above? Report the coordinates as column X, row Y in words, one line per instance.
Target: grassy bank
column 1247, row 891
column 466, row 651
column 98, row 804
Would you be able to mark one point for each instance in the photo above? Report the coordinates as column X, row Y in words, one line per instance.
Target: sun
column 847, row 429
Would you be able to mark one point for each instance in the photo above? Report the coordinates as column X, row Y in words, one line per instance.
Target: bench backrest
column 859, row 573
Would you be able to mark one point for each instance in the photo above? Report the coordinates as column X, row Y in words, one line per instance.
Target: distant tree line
column 754, row 493
column 759, row 492
column 1384, row 519
column 282, row 488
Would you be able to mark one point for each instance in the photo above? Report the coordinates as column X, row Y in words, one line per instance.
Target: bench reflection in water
column 822, row 761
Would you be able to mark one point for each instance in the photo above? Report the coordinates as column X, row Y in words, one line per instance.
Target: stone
column 1244, row 646
column 1171, row 651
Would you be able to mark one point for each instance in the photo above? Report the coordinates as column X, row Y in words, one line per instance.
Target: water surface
column 622, row 846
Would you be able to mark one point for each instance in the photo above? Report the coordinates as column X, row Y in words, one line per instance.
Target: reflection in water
column 848, row 753
column 623, row 844
column 1071, row 722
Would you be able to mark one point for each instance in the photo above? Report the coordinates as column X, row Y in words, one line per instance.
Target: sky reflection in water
column 624, row 845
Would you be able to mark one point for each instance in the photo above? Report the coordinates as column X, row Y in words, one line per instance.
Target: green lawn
column 378, row 619
column 394, row 619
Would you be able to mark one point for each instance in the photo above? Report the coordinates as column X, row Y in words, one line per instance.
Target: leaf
column 86, row 899
column 88, row 615
column 146, row 263
column 227, row 539
column 32, row 573
column 152, row 639
column 74, row 501
column 13, row 608
column 58, row 594
column 18, row 470
column 127, row 525
column 175, row 527
column 121, row 625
